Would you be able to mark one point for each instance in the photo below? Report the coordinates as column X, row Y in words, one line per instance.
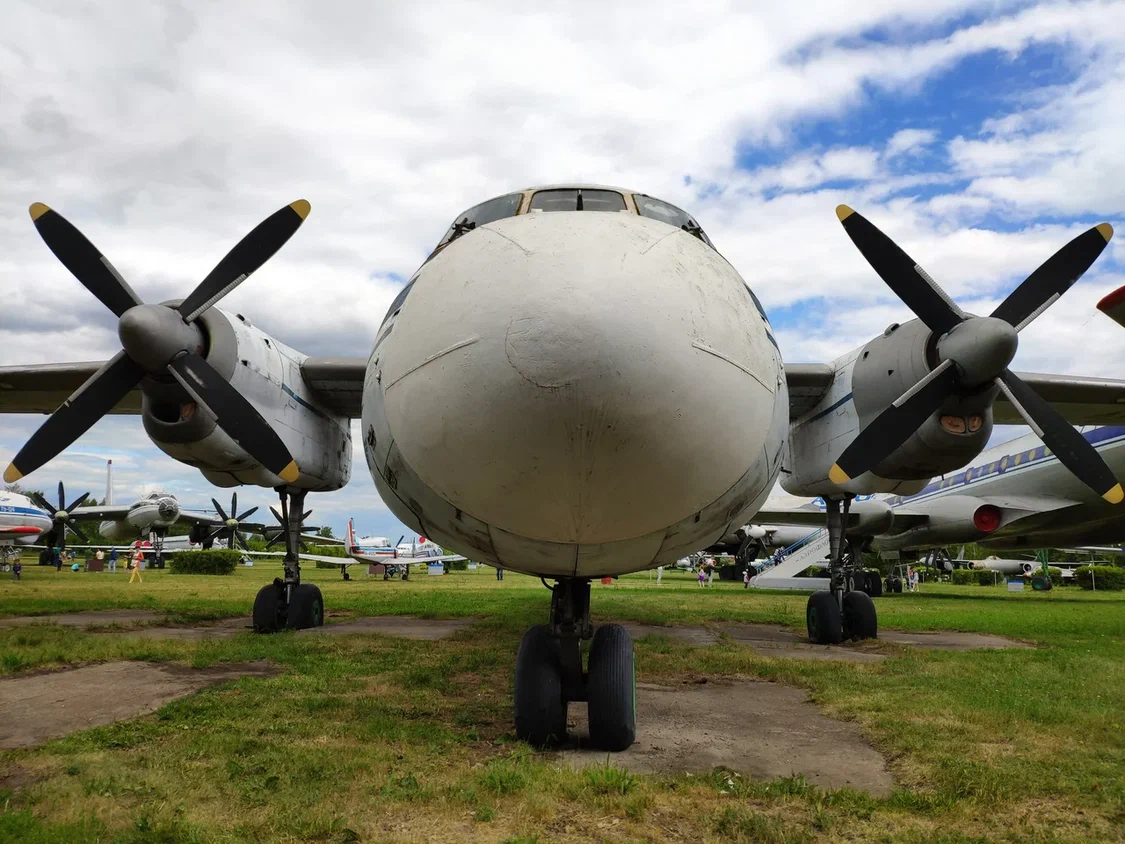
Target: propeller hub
column 61, row 516
column 982, row 348
column 152, row 335
column 232, row 523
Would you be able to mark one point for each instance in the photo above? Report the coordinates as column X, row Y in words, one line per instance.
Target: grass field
column 364, row 738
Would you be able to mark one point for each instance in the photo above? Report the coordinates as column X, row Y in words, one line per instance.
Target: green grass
column 368, row 738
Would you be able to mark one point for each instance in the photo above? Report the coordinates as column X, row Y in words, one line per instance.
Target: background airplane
column 532, row 401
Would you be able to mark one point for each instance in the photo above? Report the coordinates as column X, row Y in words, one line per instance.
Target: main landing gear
column 844, row 610
column 549, row 674
column 287, row 602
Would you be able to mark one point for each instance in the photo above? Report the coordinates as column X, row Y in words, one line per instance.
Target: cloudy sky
column 981, row 136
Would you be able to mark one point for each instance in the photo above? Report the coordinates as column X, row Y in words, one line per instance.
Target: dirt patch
column 762, row 729
column 223, row 629
column 402, row 627
column 49, row 705
column 950, row 640
column 100, row 618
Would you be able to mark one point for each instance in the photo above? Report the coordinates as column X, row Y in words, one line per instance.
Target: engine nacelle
column 952, row 519
column 866, row 382
column 875, row 517
column 268, row 374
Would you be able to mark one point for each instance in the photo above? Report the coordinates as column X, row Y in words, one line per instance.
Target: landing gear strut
column 549, row 674
column 156, row 537
column 287, row 602
column 844, row 610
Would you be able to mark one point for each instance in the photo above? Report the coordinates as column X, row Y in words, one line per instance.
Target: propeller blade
column 242, row 542
column 233, row 504
column 219, row 510
column 247, row 256
column 62, row 496
column 213, row 535
column 78, row 532
column 1072, row 449
column 83, row 259
column 1054, row 277
column 305, row 515
column 78, row 503
column 234, row 414
column 902, row 274
column 277, row 516
column 230, row 541
column 76, row 416
column 42, row 502
column 893, row 426
column 247, row 514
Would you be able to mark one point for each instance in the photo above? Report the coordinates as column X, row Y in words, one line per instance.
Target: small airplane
column 531, row 401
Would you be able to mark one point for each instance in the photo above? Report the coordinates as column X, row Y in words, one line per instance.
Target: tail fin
column 108, row 482
column 350, row 539
column 1113, row 306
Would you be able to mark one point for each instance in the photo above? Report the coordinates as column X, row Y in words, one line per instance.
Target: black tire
column 306, row 607
column 538, row 695
column 874, row 584
column 611, row 689
column 269, row 609
column 860, row 620
column 896, row 585
column 822, row 618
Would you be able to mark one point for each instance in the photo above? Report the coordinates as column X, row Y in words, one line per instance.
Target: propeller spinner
column 160, row 341
column 231, row 523
column 974, row 351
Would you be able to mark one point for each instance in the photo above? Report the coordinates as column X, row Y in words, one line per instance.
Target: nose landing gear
column 844, row 610
column 287, row 602
column 549, row 674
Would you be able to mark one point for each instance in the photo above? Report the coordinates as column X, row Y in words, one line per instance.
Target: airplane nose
column 579, row 377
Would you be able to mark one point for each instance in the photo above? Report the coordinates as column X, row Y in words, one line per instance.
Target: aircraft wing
column 43, row 387
column 811, row 516
column 1080, row 400
column 316, row 558
column 337, row 383
column 100, row 512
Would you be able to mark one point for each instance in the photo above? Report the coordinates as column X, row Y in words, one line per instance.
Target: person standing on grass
column 138, row 561
column 711, row 572
column 746, row 578
column 113, row 559
column 659, row 574
column 702, row 575
column 17, row 570
column 499, row 573
column 58, row 559
column 100, row 556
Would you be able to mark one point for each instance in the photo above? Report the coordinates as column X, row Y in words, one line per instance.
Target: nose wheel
column 288, row 603
column 845, row 610
column 549, row 674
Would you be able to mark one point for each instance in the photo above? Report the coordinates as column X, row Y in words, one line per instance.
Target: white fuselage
column 145, row 515
column 21, row 521
column 575, row 394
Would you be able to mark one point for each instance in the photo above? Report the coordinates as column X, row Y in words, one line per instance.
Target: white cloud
column 166, row 132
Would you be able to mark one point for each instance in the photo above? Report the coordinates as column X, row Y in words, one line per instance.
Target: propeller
column 231, row 523
column 160, row 341
column 973, row 352
column 62, row 515
column 275, row 535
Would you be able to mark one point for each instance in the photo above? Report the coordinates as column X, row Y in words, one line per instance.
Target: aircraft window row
column 656, row 209
column 577, row 199
column 479, row 215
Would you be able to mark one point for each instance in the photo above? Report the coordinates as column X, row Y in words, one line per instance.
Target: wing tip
column 37, row 210
column 1115, row 495
column 838, row 475
column 12, row 474
column 290, row 473
column 301, row 207
column 843, row 212
column 1105, row 230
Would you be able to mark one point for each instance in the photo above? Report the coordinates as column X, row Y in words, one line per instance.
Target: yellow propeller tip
column 1115, row 495
column 1105, row 230
column 37, row 210
column 12, row 474
column 302, row 207
column 838, row 475
column 843, row 212
column 290, row 473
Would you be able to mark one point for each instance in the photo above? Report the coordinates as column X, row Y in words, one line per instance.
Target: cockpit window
column 479, row 215
column 655, row 209
column 577, row 199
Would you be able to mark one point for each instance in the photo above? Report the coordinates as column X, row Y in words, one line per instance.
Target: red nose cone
column 987, row 518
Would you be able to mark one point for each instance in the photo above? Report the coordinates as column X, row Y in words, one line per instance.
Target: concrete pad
column 45, row 706
column 687, row 635
column 950, row 640
column 402, row 627
column 775, row 641
column 224, row 629
column 99, row 618
column 761, row 729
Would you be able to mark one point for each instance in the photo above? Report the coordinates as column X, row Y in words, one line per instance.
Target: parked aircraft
column 531, row 400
